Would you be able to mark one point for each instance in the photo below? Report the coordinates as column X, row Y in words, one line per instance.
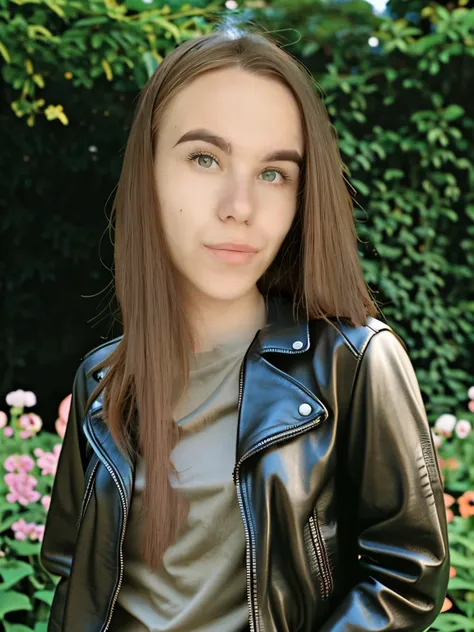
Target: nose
column 238, row 203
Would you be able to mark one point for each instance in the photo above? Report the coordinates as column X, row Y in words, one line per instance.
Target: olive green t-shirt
column 201, row 584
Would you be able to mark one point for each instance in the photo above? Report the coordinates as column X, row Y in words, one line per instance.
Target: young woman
column 253, row 453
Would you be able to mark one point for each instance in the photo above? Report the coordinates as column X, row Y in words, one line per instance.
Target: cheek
column 279, row 219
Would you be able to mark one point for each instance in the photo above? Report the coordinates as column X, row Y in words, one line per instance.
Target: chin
column 228, row 290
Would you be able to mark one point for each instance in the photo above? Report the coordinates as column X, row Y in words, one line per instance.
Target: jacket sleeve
column 59, row 539
column 401, row 523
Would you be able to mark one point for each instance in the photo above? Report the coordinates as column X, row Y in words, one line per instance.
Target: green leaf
column 453, row 112
column 45, row 595
column 24, row 548
column 16, row 627
column 14, row 571
column 360, row 186
column 11, row 601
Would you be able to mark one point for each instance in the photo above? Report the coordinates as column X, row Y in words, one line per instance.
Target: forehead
column 251, row 111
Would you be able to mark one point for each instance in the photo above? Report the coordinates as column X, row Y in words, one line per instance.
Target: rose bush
column 454, row 441
column 28, row 458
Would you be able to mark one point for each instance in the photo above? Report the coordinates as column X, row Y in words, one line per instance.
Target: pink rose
column 65, row 407
column 3, row 419
column 22, row 529
column 8, row 432
column 46, row 502
column 16, row 399
column 48, row 461
column 31, row 423
column 39, row 532
column 19, row 462
column 21, row 488
column 437, row 440
column 444, row 425
column 471, row 405
column 25, row 434
column 60, row 426
column 463, row 428
column 29, row 399
column 63, row 412
column 470, row 393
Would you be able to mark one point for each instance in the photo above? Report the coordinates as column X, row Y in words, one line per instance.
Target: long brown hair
column 317, row 265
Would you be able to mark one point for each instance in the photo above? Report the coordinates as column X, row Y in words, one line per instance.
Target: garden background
column 398, row 87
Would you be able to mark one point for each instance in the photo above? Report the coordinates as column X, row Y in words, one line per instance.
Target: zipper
column 87, row 494
column 321, row 556
column 251, row 564
column 122, row 534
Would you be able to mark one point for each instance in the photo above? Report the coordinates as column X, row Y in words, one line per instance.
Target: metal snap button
column 297, row 344
column 305, row 410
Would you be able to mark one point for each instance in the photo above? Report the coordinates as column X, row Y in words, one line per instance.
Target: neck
column 217, row 321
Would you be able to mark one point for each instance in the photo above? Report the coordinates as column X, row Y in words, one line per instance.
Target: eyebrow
column 290, row 155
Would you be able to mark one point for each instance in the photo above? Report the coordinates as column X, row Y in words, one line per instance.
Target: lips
column 233, row 247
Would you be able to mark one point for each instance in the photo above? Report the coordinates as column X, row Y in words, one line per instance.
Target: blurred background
column 397, row 79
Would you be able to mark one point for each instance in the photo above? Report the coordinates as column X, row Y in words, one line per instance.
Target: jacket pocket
column 318, row 556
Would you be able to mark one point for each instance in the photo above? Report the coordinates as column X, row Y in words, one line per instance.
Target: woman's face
column 209, row 194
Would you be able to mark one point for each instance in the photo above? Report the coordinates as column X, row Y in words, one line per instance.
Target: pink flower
column 25, row 434
column 48, row 461
column 444, row 425
column 19, row 462
column 16, row 399
column 46, row 502
column 60, row 426
column 64, row 407
column 463, row 428
column 470, row 393
column 63, row 411
column 3, row 419
column 8, row 432
column 21, row 488
column 29, row 399
column 471, row 405
column 23, row 530
column 39, row 532
column 437, row 440
column 31, row 423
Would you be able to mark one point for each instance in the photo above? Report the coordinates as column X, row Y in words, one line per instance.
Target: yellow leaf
column 427, row 11
column 63, row 118
column 38, row 79
column 54, row 7
column 4, row 52
column 463, row 3
column 29, row 67
column 30, row 121
column 34, row 29
column 107, row 70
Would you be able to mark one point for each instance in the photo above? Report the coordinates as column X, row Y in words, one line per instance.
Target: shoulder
column 97, row 355
column 354, row 339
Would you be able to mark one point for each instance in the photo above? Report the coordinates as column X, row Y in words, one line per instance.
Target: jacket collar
column 283, row 333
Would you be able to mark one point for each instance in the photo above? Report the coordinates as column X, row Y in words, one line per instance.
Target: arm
column 59, row 538
column 401, row 522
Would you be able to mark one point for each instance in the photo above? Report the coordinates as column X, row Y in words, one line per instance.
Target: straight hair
column 317, row 267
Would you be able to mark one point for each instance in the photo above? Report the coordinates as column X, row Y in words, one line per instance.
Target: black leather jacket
column 337, row 482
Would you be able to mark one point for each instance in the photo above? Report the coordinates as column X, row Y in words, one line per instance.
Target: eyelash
column 284, row 174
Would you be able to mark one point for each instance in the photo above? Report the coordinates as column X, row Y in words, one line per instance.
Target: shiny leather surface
column 343, row 507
